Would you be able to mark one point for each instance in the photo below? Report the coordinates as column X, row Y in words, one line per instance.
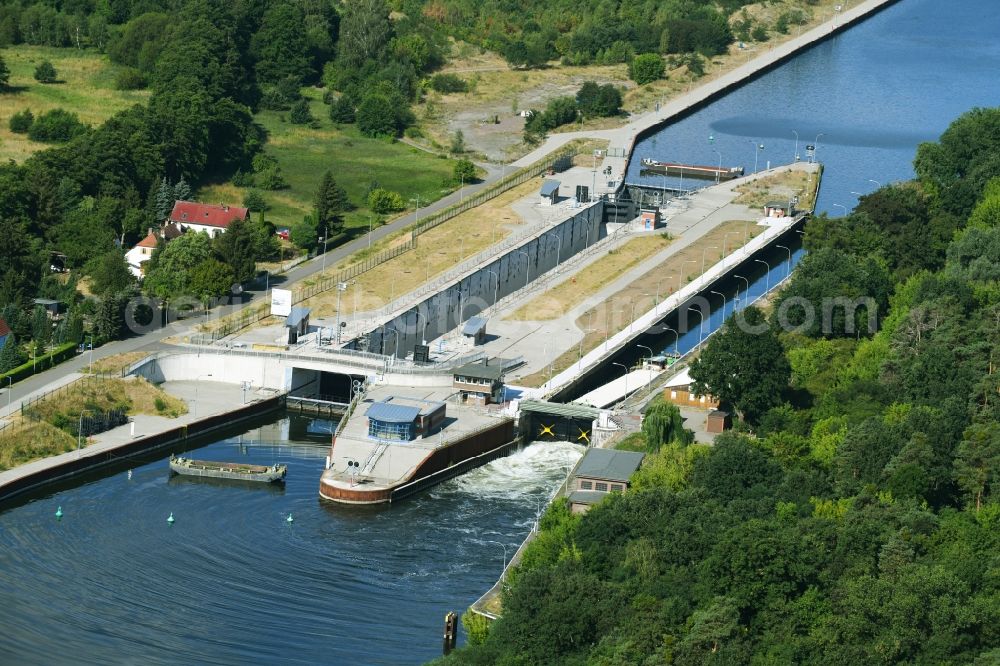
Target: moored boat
column 228, row 470
column 691, row 170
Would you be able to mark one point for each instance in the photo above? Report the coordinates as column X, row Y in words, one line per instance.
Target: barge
column 691, row 170
column 401, row 440
column 227, row 470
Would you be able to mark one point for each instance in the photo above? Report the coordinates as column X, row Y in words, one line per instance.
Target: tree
column 304, row 233
column 41, row 327
column 164, row 200
column 300, row 114
column 237, row 248
column 646, row 68
column 342, row 110
column 182, row 191
column 109, row 273
column 11, row 355
column 382, row 114
column 365, row 31
column 280, row 46
column 4, row 74
column 211, row 278
column 254, row 201
column 744, row 365
column 977, row 462
column 596, row 100
column 21, row 121
column 331, row 204
column 45, row 72
column 170, row 272
column 663, row 424
column 56, row 125
column 458, row 142
column 465, row 171
column 383, row 201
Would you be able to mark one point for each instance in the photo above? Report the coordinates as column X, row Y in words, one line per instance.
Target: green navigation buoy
column 59, row 512
column 170, row 518
column 289, row 519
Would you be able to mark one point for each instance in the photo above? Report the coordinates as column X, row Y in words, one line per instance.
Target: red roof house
column 4, row 333
column 212, row 219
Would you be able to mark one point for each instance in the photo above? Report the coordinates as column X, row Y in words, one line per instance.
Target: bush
column 413, row 133
column 130, row 78
column 448, row 83
column 254, row 201
column 595, row 100
column 300, row 114
column 160, row 404
column 56, row 125
column 21, row 121
column 342, row 111
column 46, row 73
column 383, row 201
column 646, row 68
column 243, row 179
column 271, row 179
column 465, row 171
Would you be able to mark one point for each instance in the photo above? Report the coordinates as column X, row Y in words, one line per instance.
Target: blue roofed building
column 404, row 419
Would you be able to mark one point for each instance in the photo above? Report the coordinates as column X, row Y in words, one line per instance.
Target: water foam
column 531, row 471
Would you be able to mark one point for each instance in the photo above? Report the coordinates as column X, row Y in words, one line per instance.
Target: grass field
column 305, row 154
column 32, row 440
column 114, row 363
column 86, row 88
column 565, row 296
column 780, row 187
column 437, row 250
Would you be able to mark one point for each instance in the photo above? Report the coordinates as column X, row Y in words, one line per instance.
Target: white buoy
column 289, row 520
column 130, row 475
column 170, row 518
column 59, row 512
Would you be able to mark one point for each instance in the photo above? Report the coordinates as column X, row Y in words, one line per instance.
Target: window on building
column 601, row 487
column 586, row 485
column 390, row 431
column 616, row 487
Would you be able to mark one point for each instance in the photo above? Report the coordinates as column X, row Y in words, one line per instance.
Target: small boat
column 691, row 170
column 228, row 470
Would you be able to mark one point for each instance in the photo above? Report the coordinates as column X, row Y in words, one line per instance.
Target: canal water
column 870, row 95
column 232, row 582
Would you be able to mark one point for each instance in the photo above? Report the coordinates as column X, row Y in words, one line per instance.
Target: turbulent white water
column 533, row 471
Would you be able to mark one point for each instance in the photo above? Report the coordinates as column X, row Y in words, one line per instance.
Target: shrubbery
column 56, row 125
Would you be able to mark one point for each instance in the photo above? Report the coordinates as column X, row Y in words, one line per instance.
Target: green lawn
column 305, row 153
column 86, row 88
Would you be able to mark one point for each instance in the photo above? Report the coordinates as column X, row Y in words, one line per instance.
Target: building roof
column 776, row 204
column 45, row 301
column 682, row 378
column 296, row 316
column 474, row 325
column 172, row 231
column 550, row 187
column 587, row 497
column 609, row 464
column 388, row 412
column 190, row 212
column 149, row 241
column 571, row 410
column 479, row 370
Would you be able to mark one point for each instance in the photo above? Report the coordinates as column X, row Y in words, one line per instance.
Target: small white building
column 141, row 253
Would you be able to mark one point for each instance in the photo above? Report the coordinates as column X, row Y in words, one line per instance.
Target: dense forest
column 853, row 515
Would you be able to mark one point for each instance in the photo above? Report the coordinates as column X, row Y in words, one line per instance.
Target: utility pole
column 341, row 286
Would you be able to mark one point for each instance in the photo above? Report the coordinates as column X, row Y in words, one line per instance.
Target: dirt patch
column 615, row 314
column 781, row 186
column 562, row 298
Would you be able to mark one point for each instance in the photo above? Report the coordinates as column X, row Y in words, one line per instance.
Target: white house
column 212, row 219
column 141, row 253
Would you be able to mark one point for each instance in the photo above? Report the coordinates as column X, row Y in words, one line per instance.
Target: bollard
column 450, row 631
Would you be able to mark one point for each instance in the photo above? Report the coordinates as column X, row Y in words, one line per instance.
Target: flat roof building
column 404, row 419
column 480, row 383
column 600, row 472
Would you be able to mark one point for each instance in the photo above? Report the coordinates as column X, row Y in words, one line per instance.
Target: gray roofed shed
column 390, row 413
column 609, row 464
column 474, row 325
column 479, row 370
column 296, row 316
column 550, row 191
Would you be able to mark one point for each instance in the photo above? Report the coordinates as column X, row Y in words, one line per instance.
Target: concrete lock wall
column 230, row 369
column 472, row 294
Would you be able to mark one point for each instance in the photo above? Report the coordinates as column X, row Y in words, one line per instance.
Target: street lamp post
column 816, row 146
column 789, row 251
column 91, row 366
column 632, row 321
column 504, row 546
column 719, row 293
column 496, row 290
column 686, row 261
column 767, row 275
column 710, row 247
column 416, row 210
column 196, row 380
column 725, row 241
column 625, row 368
column 718, row 173
column 701, row 320
column 423, row 334
column 677, row 337
column 527, row 267
column 324, row 239
column 395, row 346
column 746, row 293
column 757, row 147
column 836, row 205
column 647, row 348
column 369, row 231
column 341, row 286
column 558, row 247
column 796, row 145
